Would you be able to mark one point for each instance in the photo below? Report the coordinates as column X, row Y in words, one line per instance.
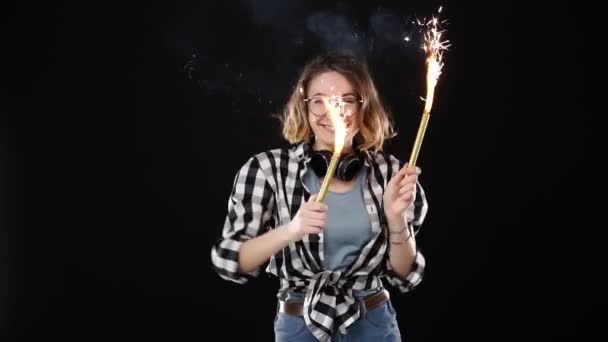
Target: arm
column 405, row 210
column 402, row 250
column 250, row 210
column 310, row 219
column 248, row 240
column 258, row 250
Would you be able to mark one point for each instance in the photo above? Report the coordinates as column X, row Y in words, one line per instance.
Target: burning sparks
column 335, row 109
column 433, row 46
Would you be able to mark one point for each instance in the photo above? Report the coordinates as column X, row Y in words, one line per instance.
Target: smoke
column 275, row 38
column 337, row 32
column 277, row 14
column 388, row 27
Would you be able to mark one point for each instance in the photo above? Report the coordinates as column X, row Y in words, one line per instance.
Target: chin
column 329, row 144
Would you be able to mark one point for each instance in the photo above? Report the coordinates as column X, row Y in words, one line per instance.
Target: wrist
column 399, row 237
column 398, row 229
column 288, row 233
column 396, row 222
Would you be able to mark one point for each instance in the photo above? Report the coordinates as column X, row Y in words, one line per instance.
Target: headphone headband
column 348, row 165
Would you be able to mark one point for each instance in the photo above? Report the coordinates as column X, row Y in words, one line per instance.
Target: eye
column 350, row 99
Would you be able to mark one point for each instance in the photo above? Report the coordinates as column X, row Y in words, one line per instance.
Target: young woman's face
column 331, row 84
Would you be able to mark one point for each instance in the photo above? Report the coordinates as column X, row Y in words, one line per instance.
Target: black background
column 124, row 124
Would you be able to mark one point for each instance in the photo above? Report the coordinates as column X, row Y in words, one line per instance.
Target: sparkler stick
column 335, row 110
column 433, row 46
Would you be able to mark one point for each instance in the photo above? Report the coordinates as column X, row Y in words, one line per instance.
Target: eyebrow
column 345, row 94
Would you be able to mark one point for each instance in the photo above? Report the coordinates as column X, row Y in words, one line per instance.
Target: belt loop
column 363, row 309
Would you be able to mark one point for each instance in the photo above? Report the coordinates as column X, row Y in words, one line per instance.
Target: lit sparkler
column 433, row 46
column 335, row 110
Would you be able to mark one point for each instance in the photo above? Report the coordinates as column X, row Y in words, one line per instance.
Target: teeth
column 332, row 127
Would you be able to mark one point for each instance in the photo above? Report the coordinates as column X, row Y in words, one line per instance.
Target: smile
column 331, row 127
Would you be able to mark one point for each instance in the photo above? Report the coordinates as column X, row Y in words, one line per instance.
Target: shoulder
column 277, row 155
column 270, row 159
column 384, row 160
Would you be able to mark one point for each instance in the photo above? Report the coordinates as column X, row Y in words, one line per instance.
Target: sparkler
column 433, row 47
column 335, row 109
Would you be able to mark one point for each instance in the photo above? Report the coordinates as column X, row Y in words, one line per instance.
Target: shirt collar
column 303, row 151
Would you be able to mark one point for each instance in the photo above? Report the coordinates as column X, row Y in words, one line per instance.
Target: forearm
column 257, row 251
column 402, row 246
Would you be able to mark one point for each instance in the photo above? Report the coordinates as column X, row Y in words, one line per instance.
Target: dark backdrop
column 125, row 124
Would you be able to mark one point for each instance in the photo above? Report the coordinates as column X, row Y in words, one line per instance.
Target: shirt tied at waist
column 329, row 297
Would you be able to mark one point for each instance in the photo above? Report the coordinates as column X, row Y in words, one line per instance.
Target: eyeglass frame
column 306, row 100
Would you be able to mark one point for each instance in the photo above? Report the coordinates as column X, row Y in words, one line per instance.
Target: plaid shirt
column 268, row 191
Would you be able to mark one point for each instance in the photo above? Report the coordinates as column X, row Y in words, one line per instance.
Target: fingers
column 313, row 205
column 405, row 172
column 407, row 197
column 311, row 225
column 314, row 223
column 410, row 169
column 314, row 214
column 408, row 187
column 410, row 179
column 317, row 215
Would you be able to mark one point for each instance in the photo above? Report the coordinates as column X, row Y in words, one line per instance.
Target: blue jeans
column 377, row 324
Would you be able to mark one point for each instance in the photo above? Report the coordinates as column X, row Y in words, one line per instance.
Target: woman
column 330, row 255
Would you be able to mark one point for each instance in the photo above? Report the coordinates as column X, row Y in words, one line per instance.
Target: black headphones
column 347, row 168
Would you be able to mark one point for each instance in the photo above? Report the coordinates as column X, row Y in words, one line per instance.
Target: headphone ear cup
column 349, row 167
column 319, row 162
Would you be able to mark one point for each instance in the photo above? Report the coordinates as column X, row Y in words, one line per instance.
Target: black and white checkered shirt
column 267, row 192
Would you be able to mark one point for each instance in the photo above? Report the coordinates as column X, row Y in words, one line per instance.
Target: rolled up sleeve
column 249, row 214
column 412, row 279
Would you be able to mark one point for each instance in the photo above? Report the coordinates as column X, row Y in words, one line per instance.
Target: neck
column 320, row 147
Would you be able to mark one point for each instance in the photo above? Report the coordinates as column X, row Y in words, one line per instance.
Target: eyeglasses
column 348, row 105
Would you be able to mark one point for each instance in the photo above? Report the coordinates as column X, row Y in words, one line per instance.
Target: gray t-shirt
column 348, row 227
column 347, row 230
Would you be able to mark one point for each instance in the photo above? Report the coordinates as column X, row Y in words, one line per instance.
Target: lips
column 328, row 127
column 331, row 127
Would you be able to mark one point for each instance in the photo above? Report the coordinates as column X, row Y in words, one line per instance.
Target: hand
column 400, row 192
column 310, row 219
